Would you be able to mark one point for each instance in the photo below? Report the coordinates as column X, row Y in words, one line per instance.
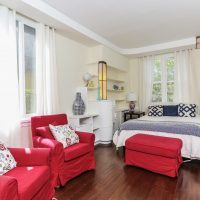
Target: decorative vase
column 78, row 105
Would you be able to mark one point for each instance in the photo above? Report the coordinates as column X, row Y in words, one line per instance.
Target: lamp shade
column 87, row 76
column 131, row 96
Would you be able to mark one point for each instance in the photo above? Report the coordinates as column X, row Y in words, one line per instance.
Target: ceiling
column 135, row 23
column 130, row 27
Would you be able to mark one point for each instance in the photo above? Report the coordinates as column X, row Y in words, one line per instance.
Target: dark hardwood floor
column 114, row 181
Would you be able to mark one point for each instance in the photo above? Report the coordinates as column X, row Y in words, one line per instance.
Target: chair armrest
column 31, row 156
column 8, row 188
column 40, row 142
column 57, row 150
column 86, row 137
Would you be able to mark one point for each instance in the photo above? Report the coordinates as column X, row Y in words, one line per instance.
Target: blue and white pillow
column 155, row 111
column 187, row 110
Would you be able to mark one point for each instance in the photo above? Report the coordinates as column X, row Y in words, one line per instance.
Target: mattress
column 191, row 143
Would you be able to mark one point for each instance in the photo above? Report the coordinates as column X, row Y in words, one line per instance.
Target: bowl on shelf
column 115, row 87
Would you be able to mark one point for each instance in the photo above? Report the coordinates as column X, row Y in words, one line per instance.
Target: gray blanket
column 186, row 128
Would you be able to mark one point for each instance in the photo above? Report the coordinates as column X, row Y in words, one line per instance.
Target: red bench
column 155, row 153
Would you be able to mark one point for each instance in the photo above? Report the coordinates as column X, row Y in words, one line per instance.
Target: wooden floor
column 115, row 181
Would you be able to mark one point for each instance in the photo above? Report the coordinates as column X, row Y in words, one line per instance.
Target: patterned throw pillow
column 7, row 161
column 187, row 110
column 64, row 134
column 155, row 110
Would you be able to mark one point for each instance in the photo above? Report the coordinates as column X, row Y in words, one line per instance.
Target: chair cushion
column 156, row 145
column 64, row 134
column 76, row 150
column 30, row 180
column 44, row 132
column 45, row 120
column 7, row 161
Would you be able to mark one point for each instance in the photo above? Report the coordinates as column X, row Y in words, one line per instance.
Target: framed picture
column 198, row 42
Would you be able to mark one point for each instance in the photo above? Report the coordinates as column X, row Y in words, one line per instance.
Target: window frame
column 21, row 70
column 164, row 74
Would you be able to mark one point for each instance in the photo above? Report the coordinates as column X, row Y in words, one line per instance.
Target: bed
column 185, row 128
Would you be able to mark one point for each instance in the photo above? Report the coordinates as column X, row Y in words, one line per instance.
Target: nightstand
column 132, row 115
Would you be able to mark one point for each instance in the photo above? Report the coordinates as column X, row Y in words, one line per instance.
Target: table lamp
column 132, row 98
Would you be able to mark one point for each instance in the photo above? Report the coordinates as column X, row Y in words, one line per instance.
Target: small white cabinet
column 99, row 121
column 85, row 123
column 104, row 121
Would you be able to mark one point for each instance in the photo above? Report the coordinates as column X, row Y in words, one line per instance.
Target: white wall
column 71, row 60
column 112, row 58
column 134, row 75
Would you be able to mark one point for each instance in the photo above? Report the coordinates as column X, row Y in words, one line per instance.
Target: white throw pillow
column 64, row 134
column 7, row 161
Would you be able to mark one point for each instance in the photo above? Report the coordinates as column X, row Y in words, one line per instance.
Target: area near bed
column 185, row 128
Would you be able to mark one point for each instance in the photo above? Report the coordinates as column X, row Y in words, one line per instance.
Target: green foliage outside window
column 158, row 80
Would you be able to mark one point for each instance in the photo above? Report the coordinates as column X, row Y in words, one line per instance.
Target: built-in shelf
column 120, row 99
column 109, row 66
column 111, row 90
column 115, row 80
column 92, row 88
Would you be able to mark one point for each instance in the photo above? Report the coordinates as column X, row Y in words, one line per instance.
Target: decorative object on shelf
column 115, row 87
column 78, row 105
column 132, row 98
column 122, row 88
column 91, row 84
column 87, row 77
column 102, row 80
column 98, row 93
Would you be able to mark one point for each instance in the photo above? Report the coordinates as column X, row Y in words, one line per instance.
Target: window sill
column 25, row 122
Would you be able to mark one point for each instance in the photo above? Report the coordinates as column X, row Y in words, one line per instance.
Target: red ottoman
column 155, row 153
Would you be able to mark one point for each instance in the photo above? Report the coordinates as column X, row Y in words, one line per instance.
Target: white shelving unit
column 85, row 123
column 115, row 76
column 99, row 123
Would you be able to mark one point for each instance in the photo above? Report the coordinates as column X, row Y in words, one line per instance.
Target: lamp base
column 131, row 106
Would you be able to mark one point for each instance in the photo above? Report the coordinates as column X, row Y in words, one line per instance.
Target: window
column 26, row 46
column 163, row 79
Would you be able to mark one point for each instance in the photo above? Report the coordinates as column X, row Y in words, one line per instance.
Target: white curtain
column 183, row 69
column 46, row 76
column 187, row 87
column 145, row 81
column 9, row 100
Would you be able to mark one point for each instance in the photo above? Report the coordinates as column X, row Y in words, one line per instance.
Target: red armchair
column 68, row 162
column 30, row 180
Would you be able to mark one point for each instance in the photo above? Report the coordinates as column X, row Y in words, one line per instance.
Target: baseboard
column 103, row 143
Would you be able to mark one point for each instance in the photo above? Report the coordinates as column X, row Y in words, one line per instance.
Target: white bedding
column 191, row 144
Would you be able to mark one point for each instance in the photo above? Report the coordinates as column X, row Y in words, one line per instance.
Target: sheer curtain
column 183, row 69
column 46, row 72
column 187, row 88
column 145, row 81
column 9, row 100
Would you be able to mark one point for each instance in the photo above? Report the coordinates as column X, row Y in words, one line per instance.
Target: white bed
column 191, row 144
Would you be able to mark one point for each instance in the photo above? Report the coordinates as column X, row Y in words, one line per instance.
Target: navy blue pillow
column 170, row 110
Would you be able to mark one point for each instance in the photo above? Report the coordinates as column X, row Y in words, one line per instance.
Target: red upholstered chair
column 69, row 162
column 31, row 179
